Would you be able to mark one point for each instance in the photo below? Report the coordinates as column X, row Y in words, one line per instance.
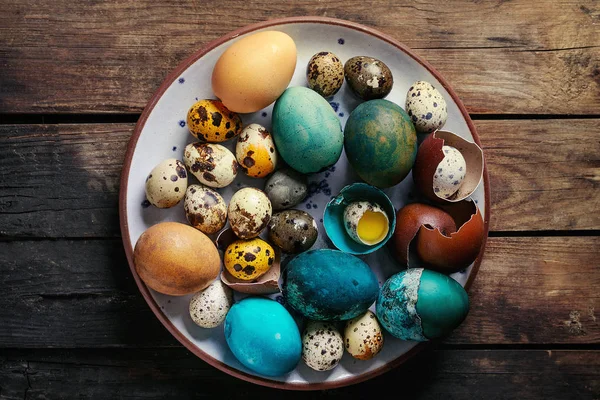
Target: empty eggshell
column 214, row 165
column 166, row 183
column 209, row 307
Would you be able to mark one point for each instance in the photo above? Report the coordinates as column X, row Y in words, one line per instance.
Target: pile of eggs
column 332, row 300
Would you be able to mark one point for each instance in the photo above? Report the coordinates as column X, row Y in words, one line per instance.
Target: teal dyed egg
column 326, row 285
column 419, row 304
column 380, row 142
column 263, row 336
column 307, row 132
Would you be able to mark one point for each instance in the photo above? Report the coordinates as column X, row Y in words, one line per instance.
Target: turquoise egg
column 307, row 132
column 327, row 284
column 380, row 142
column 419, row 304
column 263, row 336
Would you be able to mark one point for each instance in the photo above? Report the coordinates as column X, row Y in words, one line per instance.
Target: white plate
column 161, row 133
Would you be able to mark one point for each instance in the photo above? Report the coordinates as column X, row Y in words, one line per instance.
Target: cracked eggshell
column 249, row 212
column 255, row 151
column 431, row 154
column 368, row 77
column 363, row 337
column 209, row 307
column 166, row 183
column 322, row 346
column 205, row 209
column 426, row 107
column 214, row 165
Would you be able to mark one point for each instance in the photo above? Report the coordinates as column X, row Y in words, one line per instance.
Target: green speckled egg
column 307, row 132
column 380, row 142
column 419, row 304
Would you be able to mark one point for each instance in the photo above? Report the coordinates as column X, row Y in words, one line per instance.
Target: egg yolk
column 372, row 227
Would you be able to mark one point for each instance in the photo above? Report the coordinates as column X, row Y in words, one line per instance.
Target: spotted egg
column 286, row 188
column 214, row 165
column 209, row 307
column 248, row 259
column 249, row 212
column 363, row 338
column 450, row 173
column 205, row 209
column 322, row 345
column 255, row 151
column 426, row 107
column 211, row 121
column 368, row 77
column 325, row 73
column 294, row 231
column 166, row 183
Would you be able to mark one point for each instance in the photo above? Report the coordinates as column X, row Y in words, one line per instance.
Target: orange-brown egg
column 254, row 71
column 255, row 151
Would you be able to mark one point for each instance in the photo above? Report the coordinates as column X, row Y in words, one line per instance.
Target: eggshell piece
column 249, row 212
column 255, row 151
column 212, row 164
column 426, row 107
column 322, row 346
column 363, row 337
column 325, row 73
column 210, row 121
column 205, row 209
column 166, row 183
column 254, row 71
column 209, row 307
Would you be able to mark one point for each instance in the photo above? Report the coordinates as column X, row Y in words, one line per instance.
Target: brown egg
column 434, row 155
column 166, row 257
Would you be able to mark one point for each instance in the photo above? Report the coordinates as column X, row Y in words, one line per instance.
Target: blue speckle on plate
column 341, row 41
column 181, row 80
column 145, row 204
column 174, row 148
column 334, row 105
column 264, row 114
column 182, row 123
column 341, row 114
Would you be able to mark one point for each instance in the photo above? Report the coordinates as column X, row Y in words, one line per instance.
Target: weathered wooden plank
column 113, row 55
column 63, row 180
column 178, row 374
column 81, row 294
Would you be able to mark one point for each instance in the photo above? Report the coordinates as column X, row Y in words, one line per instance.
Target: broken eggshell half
column 268, row 283
column 431, row 154
column 446, row 240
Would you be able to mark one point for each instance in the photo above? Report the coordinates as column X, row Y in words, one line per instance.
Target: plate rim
column 132, row 144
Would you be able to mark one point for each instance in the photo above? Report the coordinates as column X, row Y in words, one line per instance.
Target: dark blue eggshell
column 327, row 284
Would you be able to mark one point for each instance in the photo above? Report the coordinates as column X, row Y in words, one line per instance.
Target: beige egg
column 205, row 209
column 322, row 346
column 166, row 183
column 214, row 165
column 255, row 151
column 426, row 107
column 209, row 307
column 249, row 212
column 363, row 337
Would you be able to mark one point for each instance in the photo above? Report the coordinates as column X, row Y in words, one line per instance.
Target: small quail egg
column 325, row 73
column 248, row 259
column 249, row 212
column 286, row 188
column 209, row 307
column 426, row 107
column 368, row 77
column 366, row 222
column 294, row 231
column 255, row 151
column 322, row 346
column 363, row 336
column 205, row 209
column 450, row 173
column 166, row 183
column 214, row 165
column 211, row 121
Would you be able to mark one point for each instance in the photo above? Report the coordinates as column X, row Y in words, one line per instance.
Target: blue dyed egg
column 419, row 304
column 263, row 336
column 326, row 285
column 307, row 132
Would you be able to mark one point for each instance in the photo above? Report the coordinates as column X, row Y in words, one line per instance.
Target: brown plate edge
column 127, row 165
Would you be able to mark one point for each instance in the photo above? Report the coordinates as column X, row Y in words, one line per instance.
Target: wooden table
column 74, row 77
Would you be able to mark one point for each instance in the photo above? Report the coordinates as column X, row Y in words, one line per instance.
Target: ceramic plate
column 161, row 133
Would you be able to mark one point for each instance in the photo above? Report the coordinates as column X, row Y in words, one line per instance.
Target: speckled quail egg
column 325, row 73
column 209, row 307
column 211, row 121
column 214, row 165
column 450, row 173
column 248, row 259
column 205, row 209
column 426, row 107
column 294, row 231
column 363, row 337
column 286, row 188
column 249, row 212
column 255, row 151
column 368, row 77
column 366, row 222
column 322, row 345
column 166, row 183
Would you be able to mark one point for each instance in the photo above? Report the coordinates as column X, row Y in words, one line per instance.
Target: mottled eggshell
column 380, row 142
column 325, row 73
column 356, row 211
column 166, row 183
column 327, row 285
column 209, row 307
column 450, row 173
column 368, row 77
column 205, row 209
column 306, row 130
column 249, row 212
column 426, row 107
column 418, row 304
column 248, row 259
column 286, row 188
column 255, row 151
column 363, row 337
column 212, row 164
column 263, row 336
column 322, row 346
column 254, row 71
column 294, row 231
column 211, row 121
